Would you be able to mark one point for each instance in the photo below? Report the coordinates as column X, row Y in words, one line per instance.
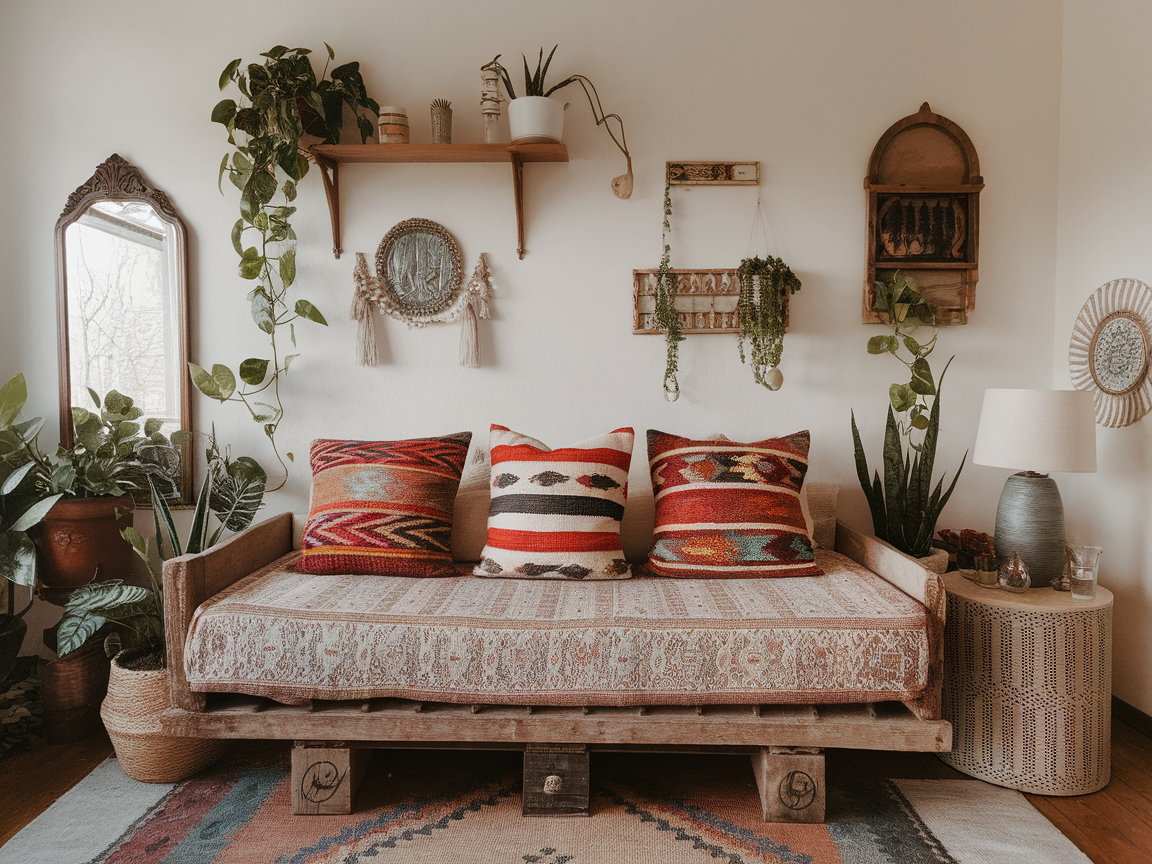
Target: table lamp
column 1040, row 431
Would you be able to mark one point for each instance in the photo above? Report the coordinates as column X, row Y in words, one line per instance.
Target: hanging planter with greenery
column 667, row 319
column 282, row 101
column 765, row 286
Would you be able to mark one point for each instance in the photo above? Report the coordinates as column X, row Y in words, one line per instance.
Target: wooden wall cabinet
column 923, row 188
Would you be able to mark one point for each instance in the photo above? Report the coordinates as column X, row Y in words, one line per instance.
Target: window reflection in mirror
column 122, row 321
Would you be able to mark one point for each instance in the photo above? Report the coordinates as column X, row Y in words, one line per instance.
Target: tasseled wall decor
column 471, row 305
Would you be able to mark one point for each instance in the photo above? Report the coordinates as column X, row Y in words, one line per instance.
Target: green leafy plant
column 282, row 100
column 765, row 285
column 667, row 318
column 533, row 81
column 231, row 494
column 904, row 505
column 113, row 454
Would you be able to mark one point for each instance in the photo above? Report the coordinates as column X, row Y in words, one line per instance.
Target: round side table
column 1028, row 687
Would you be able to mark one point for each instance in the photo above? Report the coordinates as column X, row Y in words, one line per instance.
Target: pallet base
column 786, row 742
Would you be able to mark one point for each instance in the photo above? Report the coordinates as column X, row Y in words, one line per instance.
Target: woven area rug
column 441, row 807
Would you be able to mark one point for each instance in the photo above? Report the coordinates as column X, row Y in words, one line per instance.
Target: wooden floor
column 1112, row 826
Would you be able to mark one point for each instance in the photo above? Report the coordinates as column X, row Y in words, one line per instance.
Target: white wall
column 806, row 88
column 1104, row 226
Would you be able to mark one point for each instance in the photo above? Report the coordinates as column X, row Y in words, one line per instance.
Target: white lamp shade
column 1037, row 430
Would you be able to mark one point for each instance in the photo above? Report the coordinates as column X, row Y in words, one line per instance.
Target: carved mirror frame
column 118, row 180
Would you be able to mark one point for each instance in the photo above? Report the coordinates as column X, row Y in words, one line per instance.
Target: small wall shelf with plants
column 330, row 156
column 923, row 217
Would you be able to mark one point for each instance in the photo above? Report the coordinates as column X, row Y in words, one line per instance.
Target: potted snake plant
column 138, row 685
column 531, row 114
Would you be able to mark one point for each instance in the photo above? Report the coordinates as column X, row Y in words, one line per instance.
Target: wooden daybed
column 786, row 741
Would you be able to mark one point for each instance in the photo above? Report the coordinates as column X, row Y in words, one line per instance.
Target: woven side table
column 1028, row 687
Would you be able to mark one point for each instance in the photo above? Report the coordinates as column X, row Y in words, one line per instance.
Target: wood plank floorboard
column 1112, row 826
column 31, row 781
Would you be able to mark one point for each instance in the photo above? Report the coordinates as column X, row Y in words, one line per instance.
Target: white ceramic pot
column 536, row 117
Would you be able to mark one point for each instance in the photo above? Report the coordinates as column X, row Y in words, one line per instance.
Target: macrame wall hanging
column 419, row 281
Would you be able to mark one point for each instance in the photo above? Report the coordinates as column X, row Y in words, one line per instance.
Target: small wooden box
column 325, row 776
column 791, row 783
column 555, row 780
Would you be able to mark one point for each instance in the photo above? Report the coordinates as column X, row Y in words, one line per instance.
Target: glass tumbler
column 1084, row 568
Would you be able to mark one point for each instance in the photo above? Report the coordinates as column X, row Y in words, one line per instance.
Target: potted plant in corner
column 904, row 505
column 23, row 503
column 60, row 519
column 138, row 686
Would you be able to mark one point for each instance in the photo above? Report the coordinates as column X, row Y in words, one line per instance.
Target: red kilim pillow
column 383, row 507
column 555, row 514
column 725, row 509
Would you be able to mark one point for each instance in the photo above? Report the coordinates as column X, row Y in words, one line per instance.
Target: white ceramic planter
column 536, row 117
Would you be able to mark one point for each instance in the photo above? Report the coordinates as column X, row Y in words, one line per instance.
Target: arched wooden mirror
column 122, row 301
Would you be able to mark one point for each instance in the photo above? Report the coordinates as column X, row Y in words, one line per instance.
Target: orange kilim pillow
column 383, row 507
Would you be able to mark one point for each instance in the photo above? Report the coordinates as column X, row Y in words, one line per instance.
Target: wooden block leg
column 325, row 776
column 555, row 780
column 791, row 783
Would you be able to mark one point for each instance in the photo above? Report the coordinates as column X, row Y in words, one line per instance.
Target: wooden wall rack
column 330, row 156
column 923, row 188
column 706, row 301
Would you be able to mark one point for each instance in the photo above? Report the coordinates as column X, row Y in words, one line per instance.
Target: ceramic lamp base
column 1030, row 521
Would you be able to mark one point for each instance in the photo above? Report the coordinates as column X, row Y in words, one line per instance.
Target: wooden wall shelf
column 923, row 217
column 330, row 156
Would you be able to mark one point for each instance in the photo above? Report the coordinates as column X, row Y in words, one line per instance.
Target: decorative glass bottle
column 1014, row 575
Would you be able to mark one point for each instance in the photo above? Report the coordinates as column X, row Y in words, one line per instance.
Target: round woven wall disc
column 1109, row 352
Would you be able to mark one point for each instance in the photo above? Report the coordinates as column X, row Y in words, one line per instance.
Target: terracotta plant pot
column 536, row 118
column 131, row 714
column 80, row 542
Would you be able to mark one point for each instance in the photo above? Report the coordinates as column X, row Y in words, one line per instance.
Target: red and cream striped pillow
column 726, row 509
column 555, row 514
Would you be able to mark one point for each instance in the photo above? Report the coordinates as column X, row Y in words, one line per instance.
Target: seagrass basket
column 131, row 714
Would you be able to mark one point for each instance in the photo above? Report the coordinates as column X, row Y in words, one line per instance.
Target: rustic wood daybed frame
column 786, row 742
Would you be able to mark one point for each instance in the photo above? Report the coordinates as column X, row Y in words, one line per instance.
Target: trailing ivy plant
column 667, row 319
column 904, row 504
column 281, row 101
column 761, row 310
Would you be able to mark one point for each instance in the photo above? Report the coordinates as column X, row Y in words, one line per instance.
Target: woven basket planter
column 131, row 714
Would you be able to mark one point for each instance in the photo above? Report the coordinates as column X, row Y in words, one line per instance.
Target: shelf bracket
column 518, row 191
column 330, row 173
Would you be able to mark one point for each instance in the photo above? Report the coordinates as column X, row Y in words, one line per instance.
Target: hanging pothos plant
column 765, row 286
column 281, row 102
column 667, row 319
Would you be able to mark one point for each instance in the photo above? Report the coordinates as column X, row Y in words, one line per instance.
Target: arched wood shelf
column 330, row 156
column 923, row 188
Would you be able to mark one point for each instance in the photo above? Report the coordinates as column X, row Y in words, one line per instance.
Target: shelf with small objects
column 923, row 188
column 331, row 156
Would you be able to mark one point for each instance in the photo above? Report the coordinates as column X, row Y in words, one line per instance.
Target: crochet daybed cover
column 847, row 636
